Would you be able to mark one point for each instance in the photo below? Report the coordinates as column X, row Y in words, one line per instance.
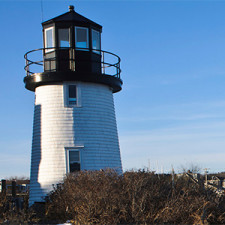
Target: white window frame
column 78, row 48
column 66, row 95
column 77, row 149
column 53, row 39
column 98, row 52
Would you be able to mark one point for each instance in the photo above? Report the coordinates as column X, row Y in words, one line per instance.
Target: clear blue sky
column 171, row 110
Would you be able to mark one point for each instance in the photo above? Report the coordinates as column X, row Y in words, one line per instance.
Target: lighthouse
column 74, row 126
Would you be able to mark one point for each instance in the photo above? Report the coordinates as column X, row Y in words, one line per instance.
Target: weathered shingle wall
column 91, row 127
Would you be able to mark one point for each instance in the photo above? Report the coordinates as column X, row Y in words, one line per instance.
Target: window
column 73, row 160
column 72, row 94
column 96, row 40
column 63, row 37
column 81, row 38
column 49, row 39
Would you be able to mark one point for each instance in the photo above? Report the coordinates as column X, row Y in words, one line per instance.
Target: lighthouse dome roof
column 73, row 17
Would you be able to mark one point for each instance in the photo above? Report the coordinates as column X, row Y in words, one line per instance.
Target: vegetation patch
column 136, row 197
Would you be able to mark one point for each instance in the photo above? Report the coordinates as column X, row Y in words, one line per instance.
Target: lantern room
column 72, row 52
column 68, row 35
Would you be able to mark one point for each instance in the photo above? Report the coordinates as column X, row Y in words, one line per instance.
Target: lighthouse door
column 73, row 160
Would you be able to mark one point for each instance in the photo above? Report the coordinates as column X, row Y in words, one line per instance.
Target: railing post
column 27, row 66
column 72, row 59
column 103, row 65
column 43, row 55
column 119, row 70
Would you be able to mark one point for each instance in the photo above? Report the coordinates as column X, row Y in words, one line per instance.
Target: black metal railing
column 110, row 63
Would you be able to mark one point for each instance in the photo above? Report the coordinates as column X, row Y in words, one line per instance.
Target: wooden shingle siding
column 91, row 126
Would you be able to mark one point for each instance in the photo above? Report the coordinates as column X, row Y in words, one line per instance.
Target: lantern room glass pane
column 96, row 40
column 49, row 42
column 81, row 38
column 63, row 37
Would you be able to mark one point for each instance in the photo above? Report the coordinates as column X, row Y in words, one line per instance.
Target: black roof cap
column 72, row 16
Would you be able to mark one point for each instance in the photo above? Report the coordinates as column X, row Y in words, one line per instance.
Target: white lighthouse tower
column 74, row 124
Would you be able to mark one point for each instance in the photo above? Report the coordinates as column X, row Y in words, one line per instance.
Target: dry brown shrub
column 107, row 198
column 104, row 197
